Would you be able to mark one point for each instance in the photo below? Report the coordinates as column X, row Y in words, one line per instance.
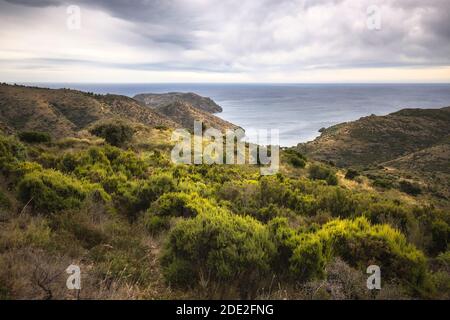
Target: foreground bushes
column 225, row 250
column 360, row 244
column 229, row 232
column 51, row 191
column 11, row 152
column 218, row 249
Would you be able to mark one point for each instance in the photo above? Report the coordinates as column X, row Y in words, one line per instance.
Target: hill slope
column 185, row 114
column 377, row 139
column 64, row 112
column 154, row 100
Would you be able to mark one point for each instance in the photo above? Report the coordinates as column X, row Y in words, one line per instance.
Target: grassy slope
column 64, row 112
column 411, row 145
column 377, row 139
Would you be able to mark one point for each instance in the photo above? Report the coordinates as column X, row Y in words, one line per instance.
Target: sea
column 297, row 111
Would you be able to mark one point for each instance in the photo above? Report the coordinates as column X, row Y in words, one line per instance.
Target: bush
column 297, row 162
column 135, row 197
column 440, row 233
column 155, row 224
column 100, row 163
column 35, row 137
column 286, row 240
column 351, row 174
column 339, row 202
column 382, row 182
column 391, row 213
column 180, row 204
column 219, row 248
column 116, row 134
column 410, row 188
column 68, row 162
column 319, row 172
column 11, row 152
column 51, row 191
column 359, row 244
column 295, row 158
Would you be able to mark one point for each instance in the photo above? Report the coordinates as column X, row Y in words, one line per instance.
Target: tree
column 34, row 137
column 116, row 134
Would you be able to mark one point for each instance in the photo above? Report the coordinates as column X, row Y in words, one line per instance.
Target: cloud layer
column 209, row 40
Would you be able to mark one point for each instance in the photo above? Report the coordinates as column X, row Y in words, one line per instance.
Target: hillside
column 154, row 100
column 65, row 112
column 185, row 114
column 141, row 227
column 377, row 139
column 430, row 166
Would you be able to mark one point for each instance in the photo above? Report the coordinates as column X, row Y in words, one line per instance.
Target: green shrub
column 22, row 168
column 410, row 188
column 68, row 162
column 440, row 233
column 268, row 213
column 286, row 240
column 135, row 197
column 51, row 191
column 180, row 204
column 11, row 152
column 295, row 158
column 35, row 137
column 297, row 162
column 320, row 172
column 155, row 223
column 351, row 174
column 360, row 244
column 382, row 183
column 48, row 160
column 116, row 134
column 309, row 259
column 221, row 248
column 339, row 202
column 126, row 162
column 391, row 213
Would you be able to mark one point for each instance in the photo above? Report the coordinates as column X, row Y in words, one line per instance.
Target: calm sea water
column 297, row 110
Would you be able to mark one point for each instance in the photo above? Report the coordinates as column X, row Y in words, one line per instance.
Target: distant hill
column 64, row 112
column 184, row 114
column 378, row 139
column 411, row 145
column 154, row 100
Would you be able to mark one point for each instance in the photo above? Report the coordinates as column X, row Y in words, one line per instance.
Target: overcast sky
column 225, row 41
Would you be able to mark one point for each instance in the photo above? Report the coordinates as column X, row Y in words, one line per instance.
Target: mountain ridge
column 66, row 112
column 157, row 100
column 377, row 139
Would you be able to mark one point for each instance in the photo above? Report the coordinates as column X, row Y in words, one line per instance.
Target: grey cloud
column 182, row 25
column 35, row 3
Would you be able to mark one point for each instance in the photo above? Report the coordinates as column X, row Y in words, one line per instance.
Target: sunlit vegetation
column 145, row 228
